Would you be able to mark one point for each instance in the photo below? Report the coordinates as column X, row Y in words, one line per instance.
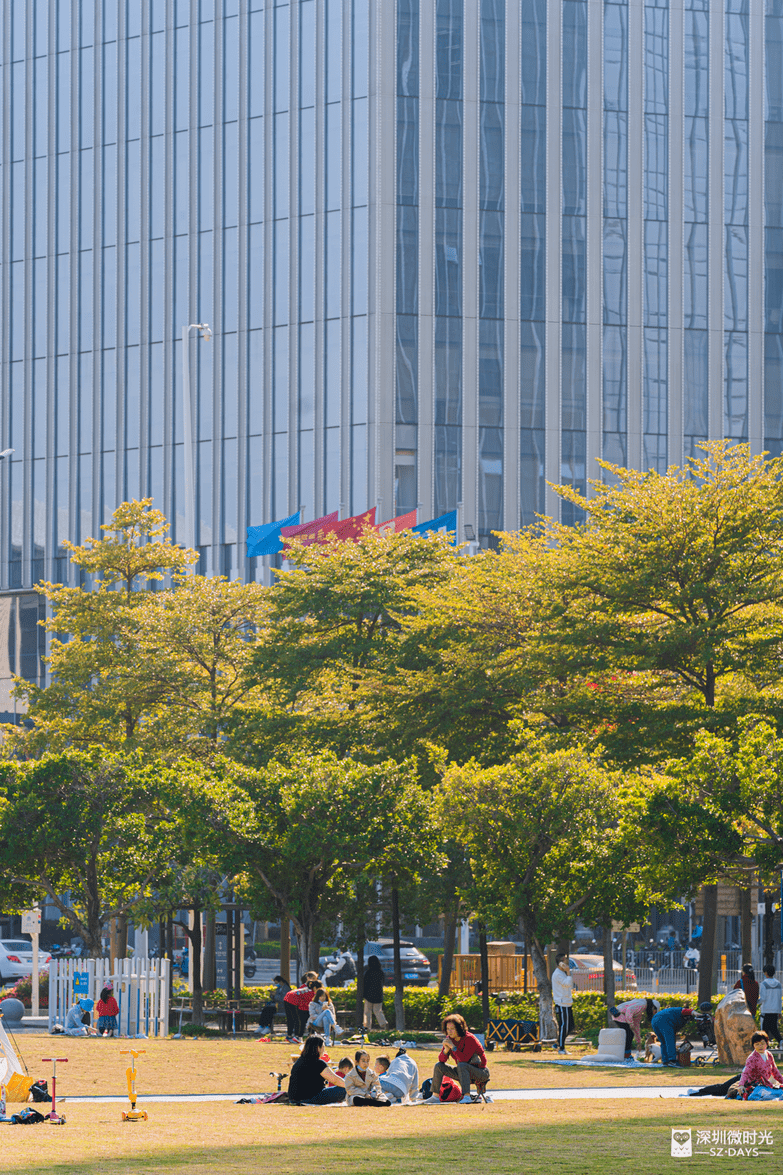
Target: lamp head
column 206, row 332
column 6, row 453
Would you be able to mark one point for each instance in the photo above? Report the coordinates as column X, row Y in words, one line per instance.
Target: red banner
column 395, row 525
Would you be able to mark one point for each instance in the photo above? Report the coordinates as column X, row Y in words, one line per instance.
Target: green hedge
column 423, row 1011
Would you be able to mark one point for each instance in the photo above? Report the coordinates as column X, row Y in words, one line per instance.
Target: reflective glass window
column 448, row 261
column 575, row 53
column 491, row 264
column 407, row 259
column 448, row 49
column 573, row 274
column 407, row 369
column 448, row 371
column 407, row 150
column 448, row 154
column 533, row 147
column 533, row 63
column 655, row 273
column 615, row 271
column 533, row 266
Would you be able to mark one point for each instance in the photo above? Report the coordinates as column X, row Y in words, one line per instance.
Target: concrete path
column 500, row 1095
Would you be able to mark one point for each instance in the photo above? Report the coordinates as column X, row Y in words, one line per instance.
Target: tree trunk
column 360, row 982
column 450, row 919
column 285, row 947
column 707, row 956
column 769, row 934
column 546, row 1010
column 746, row 924
column 208, row 978
column 314, row 958
column 194, row 936
column 399, row 1006
column 608, row 974
column 484, row 974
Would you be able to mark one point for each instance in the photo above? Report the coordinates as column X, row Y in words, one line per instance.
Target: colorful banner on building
column 307, row 532
column 395, row 525
column 442, row 524
column 266, row 540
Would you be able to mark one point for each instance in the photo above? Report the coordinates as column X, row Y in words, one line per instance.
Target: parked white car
column 16, row 959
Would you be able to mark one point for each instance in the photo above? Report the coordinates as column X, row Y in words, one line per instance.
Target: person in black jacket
column 373, row 993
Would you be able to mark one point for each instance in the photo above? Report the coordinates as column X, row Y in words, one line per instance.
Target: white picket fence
column 141, row 988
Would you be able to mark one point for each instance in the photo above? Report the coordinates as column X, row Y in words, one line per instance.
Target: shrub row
column 424, row 1011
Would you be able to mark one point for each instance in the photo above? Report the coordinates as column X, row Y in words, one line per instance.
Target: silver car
column 16, row 958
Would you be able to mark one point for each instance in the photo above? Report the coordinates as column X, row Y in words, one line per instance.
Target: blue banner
column 446, row 522
column 81, row 983
column 266, row 540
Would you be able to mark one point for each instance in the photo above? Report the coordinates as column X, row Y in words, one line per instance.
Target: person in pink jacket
column 630, row 1015
column 760, row 1067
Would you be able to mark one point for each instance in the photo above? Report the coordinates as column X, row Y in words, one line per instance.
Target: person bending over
column 362, row 1087
column 77, row 1022
column 312, row 1082
column 297, row 1007
column 630, row 1016
column 760, row 1067
column 666, row 1024
column 399, row 1078
column 463, row 1050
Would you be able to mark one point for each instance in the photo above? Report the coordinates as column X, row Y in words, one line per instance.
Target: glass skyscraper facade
column 450, row 251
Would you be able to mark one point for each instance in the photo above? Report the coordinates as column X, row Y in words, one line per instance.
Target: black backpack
column 40, row 1091
column 28, row 1117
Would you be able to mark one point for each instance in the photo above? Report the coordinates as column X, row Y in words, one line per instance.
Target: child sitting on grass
column 345, row 1066
column 362, row 1086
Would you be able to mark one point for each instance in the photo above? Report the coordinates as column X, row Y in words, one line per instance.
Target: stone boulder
column 12, row 1010
column 734, row 1027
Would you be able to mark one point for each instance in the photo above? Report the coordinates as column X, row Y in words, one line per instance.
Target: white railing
column 141, row 988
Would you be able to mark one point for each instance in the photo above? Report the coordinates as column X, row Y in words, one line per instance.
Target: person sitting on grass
column 399, row 1078
column 108, row 1010
column 760, row 1068
column 323, row 1015
column 312, row 1082
column 362, row 1086
column 77, row 1022
column 464, row 1050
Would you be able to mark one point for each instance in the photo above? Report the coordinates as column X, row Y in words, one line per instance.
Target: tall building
column 449, row 250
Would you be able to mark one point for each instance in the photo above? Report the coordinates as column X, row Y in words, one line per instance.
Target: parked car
column 16, row 958
column 416, row 970
column 588, row 973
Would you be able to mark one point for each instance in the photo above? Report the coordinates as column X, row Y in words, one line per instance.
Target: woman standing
column 373, row 993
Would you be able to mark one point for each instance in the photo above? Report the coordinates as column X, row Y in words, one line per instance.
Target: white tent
column 9, row 1061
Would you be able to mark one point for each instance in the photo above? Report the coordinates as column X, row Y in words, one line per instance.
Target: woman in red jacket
column 463, row 1049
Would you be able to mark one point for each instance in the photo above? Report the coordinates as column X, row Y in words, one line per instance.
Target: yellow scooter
column 133, row 1114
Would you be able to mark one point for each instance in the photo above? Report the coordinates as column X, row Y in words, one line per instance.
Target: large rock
column 12, row 1010
column 734, row 1027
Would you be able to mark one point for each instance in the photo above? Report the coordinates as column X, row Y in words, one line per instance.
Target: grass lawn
column 569, row 1136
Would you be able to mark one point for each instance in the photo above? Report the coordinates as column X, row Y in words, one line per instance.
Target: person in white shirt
column 770, row 1002
column 563, row 996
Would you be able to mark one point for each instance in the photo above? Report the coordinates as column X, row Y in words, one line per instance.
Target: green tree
column 87, row 830
column 101, row 686
column 332, row 639
column 543, row 834
column 297, row 832
column 196, row 643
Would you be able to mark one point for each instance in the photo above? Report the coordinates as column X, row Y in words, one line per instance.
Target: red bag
column 449, row 1090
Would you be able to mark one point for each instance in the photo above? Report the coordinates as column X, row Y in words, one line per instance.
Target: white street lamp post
column 187, row 430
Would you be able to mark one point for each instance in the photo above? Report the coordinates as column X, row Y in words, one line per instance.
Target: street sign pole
column 31, row 924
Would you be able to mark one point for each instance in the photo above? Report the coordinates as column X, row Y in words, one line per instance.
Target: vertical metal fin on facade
column 635, row 248
column 242, row 474
column 594, row 239
column 52, row 488
column 756, row 75
column 294, row 497
column 715, row 234
column 470, row 255
column 218, row 221
column 426, row 267
column 514, row 163
column 143, row 196
column 27, row 406
column 171, row 409
column 676, row 232
column 381, row 331
column 101, row 507
column 554, row 124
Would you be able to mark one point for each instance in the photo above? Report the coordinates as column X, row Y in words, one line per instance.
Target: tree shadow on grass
column 616, row 1141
